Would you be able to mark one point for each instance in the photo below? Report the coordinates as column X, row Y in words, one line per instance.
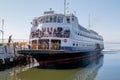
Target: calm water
column 104, row 68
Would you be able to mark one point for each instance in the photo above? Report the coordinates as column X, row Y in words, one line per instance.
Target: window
column 46, row 19
column 79, row 44
column 73, row 18
column 54, row 19
column 76, row 44
column 73, row 44
column 68, row 19
column 51, row 19
column 60, row 19
column 34, row 44
column 43, row 19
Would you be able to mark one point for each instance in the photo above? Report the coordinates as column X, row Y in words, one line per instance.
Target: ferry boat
column 59, row 38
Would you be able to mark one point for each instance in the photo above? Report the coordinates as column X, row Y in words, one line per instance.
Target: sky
column 104, row 16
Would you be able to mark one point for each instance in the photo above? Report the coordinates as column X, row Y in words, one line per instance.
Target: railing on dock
column 23, row 43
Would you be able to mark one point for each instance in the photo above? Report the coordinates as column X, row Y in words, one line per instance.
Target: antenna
column 89, row 22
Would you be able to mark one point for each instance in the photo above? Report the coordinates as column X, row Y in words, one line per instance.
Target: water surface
column 104, row 68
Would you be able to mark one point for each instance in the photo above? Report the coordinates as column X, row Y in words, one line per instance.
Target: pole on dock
column 2, row 30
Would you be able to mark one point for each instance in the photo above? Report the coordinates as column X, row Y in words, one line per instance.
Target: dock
column 9, row 56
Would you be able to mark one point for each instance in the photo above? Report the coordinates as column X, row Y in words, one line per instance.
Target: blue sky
column 105, row 15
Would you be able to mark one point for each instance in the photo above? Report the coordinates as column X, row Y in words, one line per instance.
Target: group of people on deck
column 50, row 32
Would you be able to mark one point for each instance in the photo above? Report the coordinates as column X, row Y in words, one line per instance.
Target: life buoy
column 65, row 40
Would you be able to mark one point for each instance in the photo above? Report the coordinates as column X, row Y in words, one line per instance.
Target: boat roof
column 51, row 13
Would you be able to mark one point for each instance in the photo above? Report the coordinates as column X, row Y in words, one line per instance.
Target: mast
column 64, row 7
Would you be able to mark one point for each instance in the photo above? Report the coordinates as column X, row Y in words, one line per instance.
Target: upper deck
column 51, row 24
column 51, row 17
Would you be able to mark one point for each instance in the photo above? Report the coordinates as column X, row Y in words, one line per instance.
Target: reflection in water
column 11, row 74
column 24, row 73
column 90, row 72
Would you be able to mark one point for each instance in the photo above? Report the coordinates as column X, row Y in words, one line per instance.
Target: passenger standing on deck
column 29, row 46
column 9, row 40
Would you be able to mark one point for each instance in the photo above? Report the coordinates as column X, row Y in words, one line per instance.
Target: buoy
column 65, row 40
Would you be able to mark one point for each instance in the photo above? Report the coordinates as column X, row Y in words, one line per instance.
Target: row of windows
column 52, row 19
column 78, row 44
column 82, row 29
column 88, row 32
column 47, row 19
column 89, row 36
column 44, row 44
